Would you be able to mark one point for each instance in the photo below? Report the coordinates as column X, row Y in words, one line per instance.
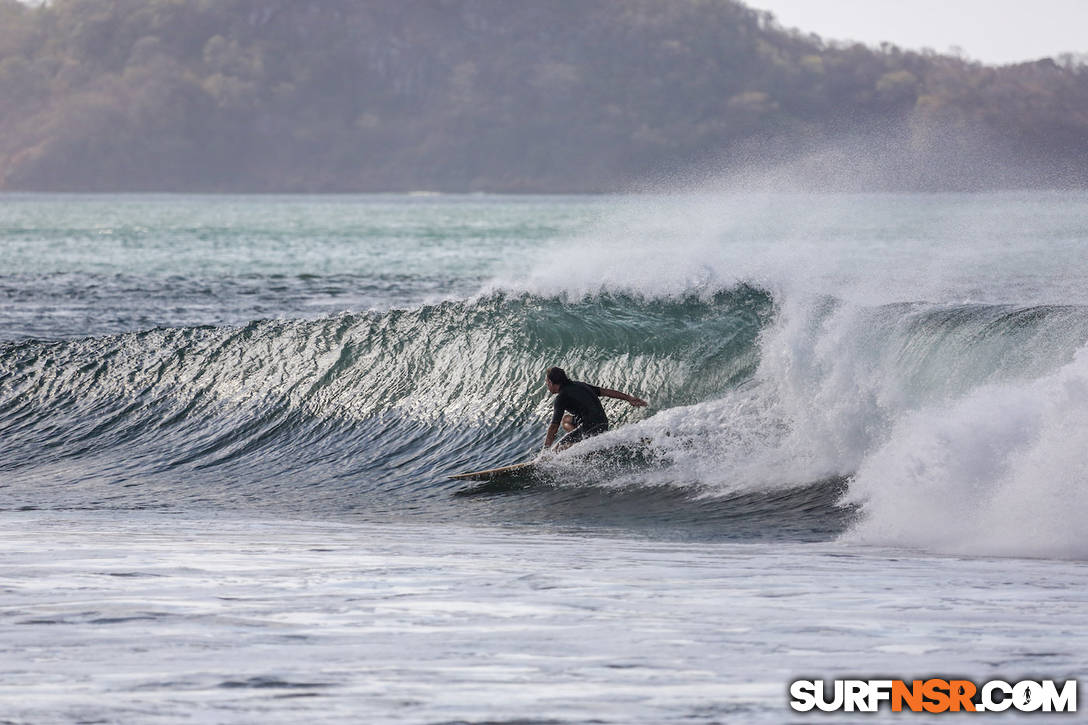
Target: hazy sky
column 992, row 31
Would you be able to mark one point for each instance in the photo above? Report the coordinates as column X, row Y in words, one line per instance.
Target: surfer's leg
column 570, row 439
column 568, row 422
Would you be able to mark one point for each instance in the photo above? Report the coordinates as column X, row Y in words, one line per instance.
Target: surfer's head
column 555, row 378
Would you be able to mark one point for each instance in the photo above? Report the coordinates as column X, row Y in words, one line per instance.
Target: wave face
column 347, row 412
column 810, row 381
column 903, row 424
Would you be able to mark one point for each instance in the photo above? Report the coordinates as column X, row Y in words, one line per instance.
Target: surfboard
column 494, row 472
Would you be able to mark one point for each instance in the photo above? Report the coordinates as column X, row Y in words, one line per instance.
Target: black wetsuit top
column 582, row 401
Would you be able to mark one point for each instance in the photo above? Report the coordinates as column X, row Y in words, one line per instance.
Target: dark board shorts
column 582, row 432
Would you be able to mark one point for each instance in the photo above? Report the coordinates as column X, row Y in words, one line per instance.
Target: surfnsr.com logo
column 933, row 695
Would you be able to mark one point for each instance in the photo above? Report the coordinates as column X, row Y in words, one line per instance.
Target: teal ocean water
column 211, row 404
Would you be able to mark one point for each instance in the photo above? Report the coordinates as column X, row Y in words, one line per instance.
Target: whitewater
column 226, row 426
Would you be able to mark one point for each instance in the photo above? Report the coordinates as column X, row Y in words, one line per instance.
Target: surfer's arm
column 609, row 393
column 553, row 429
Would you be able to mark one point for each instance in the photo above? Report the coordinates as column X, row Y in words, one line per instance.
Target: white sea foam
column 1001, row 470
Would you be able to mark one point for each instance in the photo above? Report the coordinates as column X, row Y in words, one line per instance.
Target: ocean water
column 227, row 425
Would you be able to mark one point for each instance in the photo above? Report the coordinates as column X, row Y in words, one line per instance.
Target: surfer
column 578, row 407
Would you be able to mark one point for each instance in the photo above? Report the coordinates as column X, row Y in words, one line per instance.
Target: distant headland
column 493, row 95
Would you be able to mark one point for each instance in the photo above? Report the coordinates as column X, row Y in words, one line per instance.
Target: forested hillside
column 459, row 95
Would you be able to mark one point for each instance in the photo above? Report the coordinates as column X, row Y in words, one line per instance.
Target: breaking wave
column 948, row 426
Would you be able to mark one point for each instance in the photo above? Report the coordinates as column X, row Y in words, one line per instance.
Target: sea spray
column 881, row 312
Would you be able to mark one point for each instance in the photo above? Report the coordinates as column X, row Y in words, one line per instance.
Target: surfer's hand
column 638, row 402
